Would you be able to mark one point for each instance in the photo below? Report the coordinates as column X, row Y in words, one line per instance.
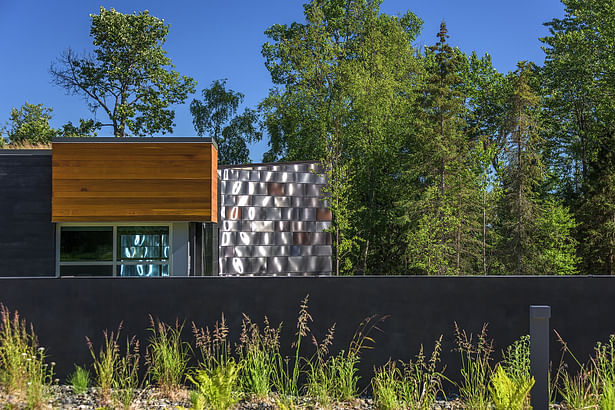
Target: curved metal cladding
column 272, row 220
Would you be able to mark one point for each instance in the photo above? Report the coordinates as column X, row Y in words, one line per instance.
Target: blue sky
column 209, row 40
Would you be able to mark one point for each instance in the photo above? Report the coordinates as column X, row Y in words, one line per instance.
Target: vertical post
column 539, row 355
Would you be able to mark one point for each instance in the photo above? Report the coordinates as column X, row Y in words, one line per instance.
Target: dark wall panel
column 26, row 231
column 420, row 309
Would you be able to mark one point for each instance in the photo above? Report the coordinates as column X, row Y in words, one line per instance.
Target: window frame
column 115, row 262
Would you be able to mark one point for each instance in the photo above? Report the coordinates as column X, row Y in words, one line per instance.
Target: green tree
column 597, row 211
column 30, row 125
column 216, row 115
column 578, row 78
column 556, row 252
column 85, row 128
column 522, row 174
column 344, row 78
column 128, row 76
column 447, row 205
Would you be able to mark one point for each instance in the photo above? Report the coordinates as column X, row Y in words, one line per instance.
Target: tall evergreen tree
column 522, row 172
column 441, row 220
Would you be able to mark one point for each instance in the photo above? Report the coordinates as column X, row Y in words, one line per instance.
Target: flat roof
column 135, row 139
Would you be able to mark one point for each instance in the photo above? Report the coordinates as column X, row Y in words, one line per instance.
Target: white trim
column 114, row 262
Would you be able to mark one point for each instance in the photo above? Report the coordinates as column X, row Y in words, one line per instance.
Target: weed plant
column 167, row 356
column 23, row 371
column 516, row 360
column 257, row 353
column 80, row 380
column 217, row 378
column 475, row 368
column 508, row 393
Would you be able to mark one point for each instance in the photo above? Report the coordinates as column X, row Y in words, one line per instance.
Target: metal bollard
column 539, row 355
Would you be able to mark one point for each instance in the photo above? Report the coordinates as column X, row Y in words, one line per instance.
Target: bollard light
column 539, row 355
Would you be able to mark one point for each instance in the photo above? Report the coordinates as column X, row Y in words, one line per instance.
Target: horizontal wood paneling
column 128, row 181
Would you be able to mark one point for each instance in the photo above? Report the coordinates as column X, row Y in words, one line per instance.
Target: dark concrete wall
column 66, row 310
column 26, row 231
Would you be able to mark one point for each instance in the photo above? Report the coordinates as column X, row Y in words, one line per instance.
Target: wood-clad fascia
column 117, row 181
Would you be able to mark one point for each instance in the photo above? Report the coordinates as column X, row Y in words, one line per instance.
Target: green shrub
column 215, row 388
column 508, row 393
column 80, row 380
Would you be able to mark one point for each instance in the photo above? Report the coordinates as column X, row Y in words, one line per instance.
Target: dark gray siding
column 26, row 232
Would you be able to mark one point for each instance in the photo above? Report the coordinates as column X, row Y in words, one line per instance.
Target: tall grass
column 105, row 363
column 167, row 356
column 126, row 381
column 475, row 367
column 23, row 371
column 287, row 371
column 116, row 374
column 257, row 352
column 414, row 387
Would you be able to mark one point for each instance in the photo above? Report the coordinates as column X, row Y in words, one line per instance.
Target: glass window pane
column 86, row 270
column 86, row 243
column 144, row 270
column 143, row 243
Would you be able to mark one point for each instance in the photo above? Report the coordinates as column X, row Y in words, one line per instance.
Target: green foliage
column 128, row 75
column 30, row 125
column 216, row 115
column 343, row 80
column 508, row 394
column 80, row 380
column 166, row 356
column 85, row 128
column 557, row 253
column 215, row 389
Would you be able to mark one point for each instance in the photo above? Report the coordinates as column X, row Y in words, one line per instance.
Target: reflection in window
column 143, row 250
column 140, row 251
column 144, row 270
column 94, row 243
column 143, row 242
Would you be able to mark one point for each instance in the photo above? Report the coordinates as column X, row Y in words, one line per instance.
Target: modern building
column 158, row 207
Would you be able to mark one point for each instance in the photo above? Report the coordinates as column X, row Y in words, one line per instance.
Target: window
column 114, row 251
